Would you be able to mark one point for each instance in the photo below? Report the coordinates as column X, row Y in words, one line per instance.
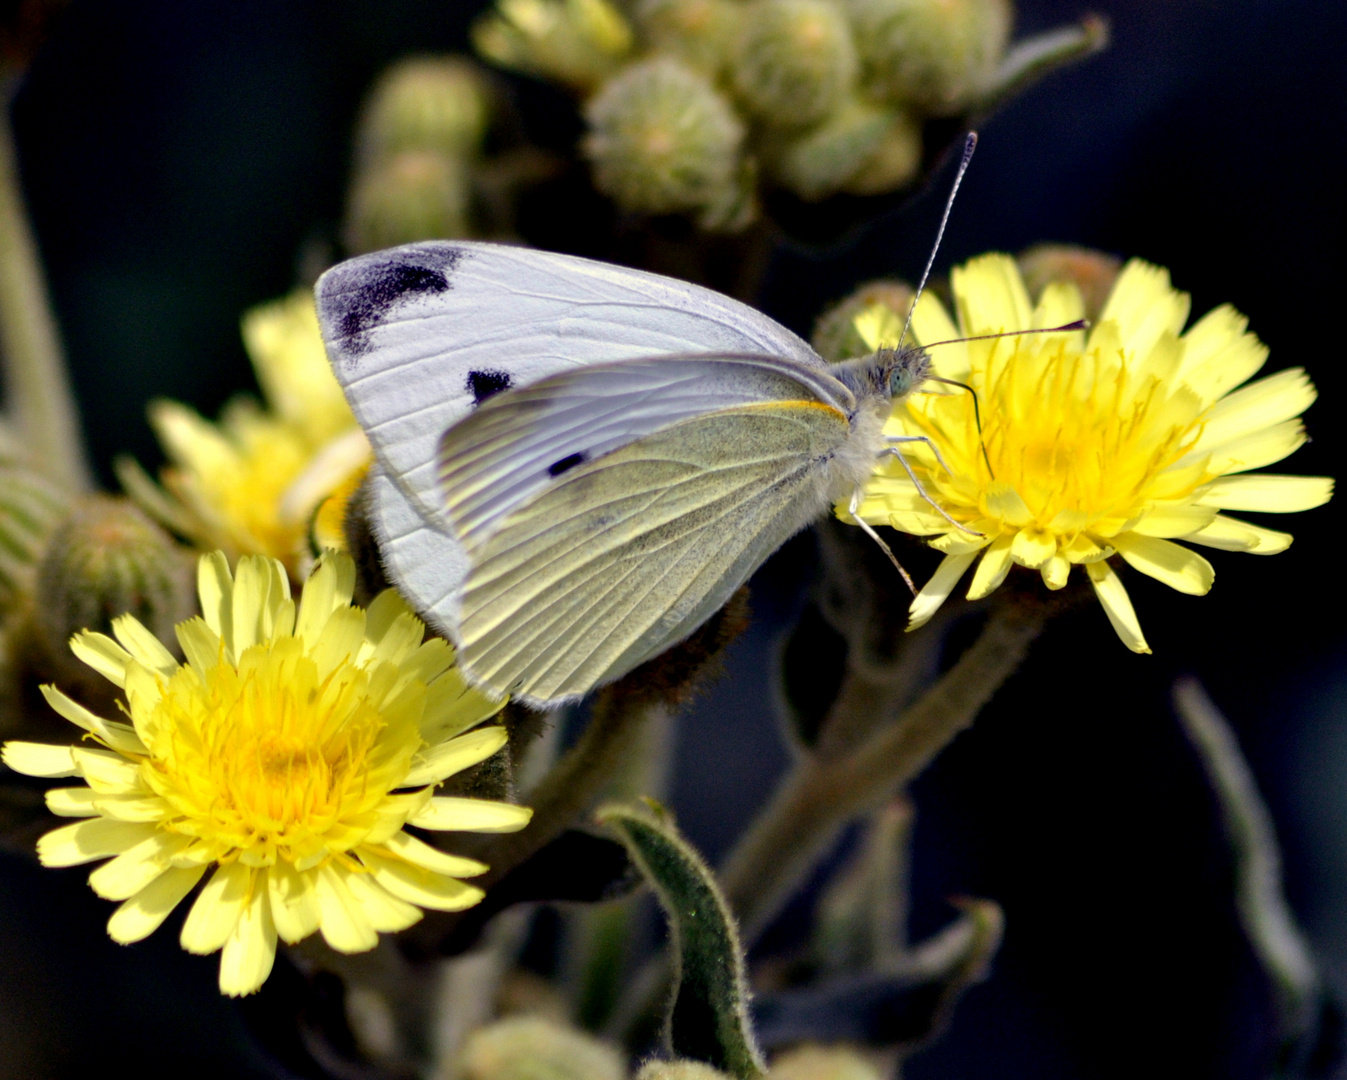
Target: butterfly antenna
column 970, row 144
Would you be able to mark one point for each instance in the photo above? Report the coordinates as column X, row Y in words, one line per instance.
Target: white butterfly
column 577, row 464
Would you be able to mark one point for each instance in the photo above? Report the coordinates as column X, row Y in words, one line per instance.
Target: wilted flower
column 1118, row 441
column 250, row 483
column 284, row 759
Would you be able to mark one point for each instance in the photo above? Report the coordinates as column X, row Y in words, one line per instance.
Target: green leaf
column 708, row 1015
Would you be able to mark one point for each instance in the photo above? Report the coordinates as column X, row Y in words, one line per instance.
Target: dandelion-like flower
column 284, row 759
column 250, row 484
column 1119, row 441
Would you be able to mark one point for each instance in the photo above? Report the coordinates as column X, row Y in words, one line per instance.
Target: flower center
column 271, row 757
column 1078, row 432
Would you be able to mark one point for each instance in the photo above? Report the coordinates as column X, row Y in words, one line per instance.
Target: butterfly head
column 903, row 370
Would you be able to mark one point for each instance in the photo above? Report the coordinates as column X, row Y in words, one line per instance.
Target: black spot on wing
column 372, row 287
column 568, row 462
column 483, row 384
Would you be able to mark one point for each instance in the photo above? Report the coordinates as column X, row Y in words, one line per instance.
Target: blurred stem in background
column 1265, row 916
column 38, row 400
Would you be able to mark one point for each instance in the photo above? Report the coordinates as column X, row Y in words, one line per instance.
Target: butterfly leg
column 895, row 452
column 891, row 439
column 870, row 532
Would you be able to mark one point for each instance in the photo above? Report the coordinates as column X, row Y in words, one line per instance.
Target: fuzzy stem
column 37, row 390
column 615, row 727
column 819, row 796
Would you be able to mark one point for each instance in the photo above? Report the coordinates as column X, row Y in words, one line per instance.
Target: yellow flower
column 250, row 484
column 284, row 758
column 1118, row 441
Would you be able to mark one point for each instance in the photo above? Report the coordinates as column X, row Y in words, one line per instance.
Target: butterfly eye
column 900, row 382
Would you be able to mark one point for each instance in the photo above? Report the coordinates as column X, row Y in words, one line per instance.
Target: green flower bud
column 531, row 1048
column 936, row 55
column 796, row 60
column 1093, row 272
column 701, row 33
column 577, row 42
column 417, row 195
column 30, row 508
column 835, row 336
column 895, row 162
column 663, row 140
column 823, row 159
column 425, row 103
column 104, row 560
column 679, row 1070
column 814, row 1062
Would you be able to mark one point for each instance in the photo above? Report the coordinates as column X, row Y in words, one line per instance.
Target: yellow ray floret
column 284, row 759
column 1114, row 442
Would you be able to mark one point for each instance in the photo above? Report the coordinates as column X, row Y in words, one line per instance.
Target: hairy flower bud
column 823, row 160
column 577, row 42
column 835, row 337
column 104, row 560
column 936, row 55
column 531, row 1048
column 701, row 33
column 895, row 161
column 1093, row 272
column 416, row 195
column 814, row 1062
column 796, row 60
column 30, row 508
column 424, row 103
column 679, row 1070
column 663, row 140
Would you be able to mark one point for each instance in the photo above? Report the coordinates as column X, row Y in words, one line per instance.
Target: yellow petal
column 992, row 567
column 72, row 802
column 1144, row 305
column 436, row 763
column 991, row 295
column 417, row 885
column 142, row 914
column 1168, row 520
column 1219, row 355
column 200, row 644
column 1117, row 605
column 1259, row 405
column 385, row 912
column 132, row 870
column 936, row 591
column 930, row 322
column 102, row 654
column 250, row 951
column 447, row 812
column 1256, row 450
column 107, row 772
column 144, row 646
column 1060, row 303
column 94, row 838
column 1032, row 547
column 294, row 902
column 341, row 919
column 1269, row 492
column 408, row 847
column 1055, row 572
column 215, row 585
column 218, row 909
column 39, row 759
column 1176, row 566
column 1230, row 534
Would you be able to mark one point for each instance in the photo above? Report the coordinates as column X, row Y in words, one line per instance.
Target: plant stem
column 37, row 390
column 820, row 795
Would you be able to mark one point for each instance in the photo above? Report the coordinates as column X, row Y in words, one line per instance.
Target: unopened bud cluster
column 419, row 138
column 697, row 100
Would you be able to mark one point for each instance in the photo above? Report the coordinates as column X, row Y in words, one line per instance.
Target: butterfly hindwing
column 578, row 575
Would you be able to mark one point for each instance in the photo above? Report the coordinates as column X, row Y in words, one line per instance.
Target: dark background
column 180, row 158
